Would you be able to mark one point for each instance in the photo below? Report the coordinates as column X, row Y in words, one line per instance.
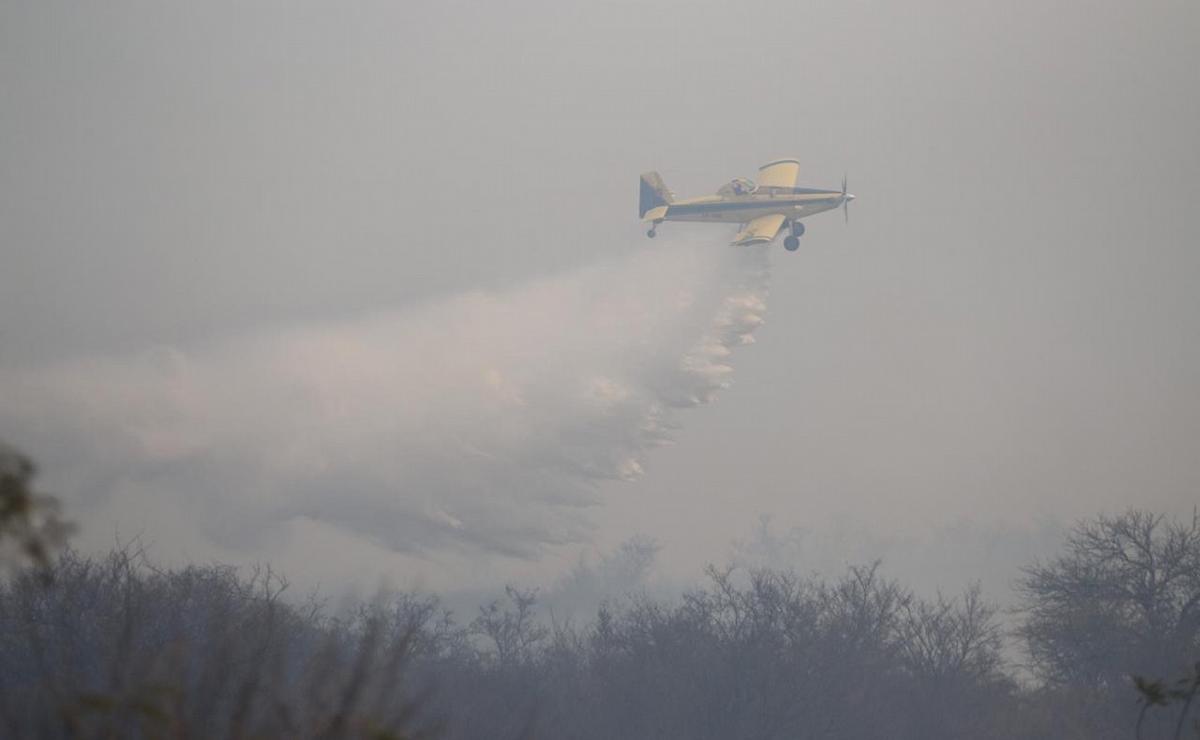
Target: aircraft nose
column 849, row 196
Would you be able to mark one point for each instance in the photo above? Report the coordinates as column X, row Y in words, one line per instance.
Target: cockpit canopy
column 738, row 186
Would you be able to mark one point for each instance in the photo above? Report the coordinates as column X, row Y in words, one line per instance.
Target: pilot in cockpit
column 738, row 186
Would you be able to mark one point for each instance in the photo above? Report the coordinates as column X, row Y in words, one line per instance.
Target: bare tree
column 1123, row 599
column 952, row 639
column 513, row 632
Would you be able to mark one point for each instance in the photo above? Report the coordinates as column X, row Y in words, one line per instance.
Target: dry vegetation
column 116, row 647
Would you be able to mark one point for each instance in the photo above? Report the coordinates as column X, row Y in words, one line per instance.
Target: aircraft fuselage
column 743, row 208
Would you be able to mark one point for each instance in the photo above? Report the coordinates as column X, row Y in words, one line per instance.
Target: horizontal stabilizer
column 655, row 214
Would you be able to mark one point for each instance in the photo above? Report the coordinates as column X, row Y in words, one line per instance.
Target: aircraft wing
column 760, row 230
column 782, row 173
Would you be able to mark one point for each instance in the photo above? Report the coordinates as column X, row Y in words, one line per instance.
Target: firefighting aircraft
column 764, row 208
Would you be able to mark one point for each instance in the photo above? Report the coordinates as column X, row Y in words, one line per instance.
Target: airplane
column 764, row 208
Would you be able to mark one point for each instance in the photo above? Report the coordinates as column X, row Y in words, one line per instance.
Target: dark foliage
column 1158, row 694
column 115, row 647
column 30, row 526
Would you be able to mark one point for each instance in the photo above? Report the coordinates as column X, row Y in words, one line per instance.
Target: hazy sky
column 1006, row 334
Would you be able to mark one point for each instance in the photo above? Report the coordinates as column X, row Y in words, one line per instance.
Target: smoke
column 480, row 422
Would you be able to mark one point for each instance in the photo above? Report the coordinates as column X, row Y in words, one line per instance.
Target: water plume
column 481, row 421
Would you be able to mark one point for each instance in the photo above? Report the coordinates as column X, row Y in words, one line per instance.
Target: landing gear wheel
column 797, row 229
column 651, row 233
column 791, row 243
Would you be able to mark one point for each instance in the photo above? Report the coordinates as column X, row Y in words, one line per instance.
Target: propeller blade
column 845, row 201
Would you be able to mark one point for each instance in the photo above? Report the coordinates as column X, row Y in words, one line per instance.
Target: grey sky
column 1006, row 332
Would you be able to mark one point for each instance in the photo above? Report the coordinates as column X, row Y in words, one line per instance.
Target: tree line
column 1107, row 633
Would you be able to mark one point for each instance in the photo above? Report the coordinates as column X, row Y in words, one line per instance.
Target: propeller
column 846, row 200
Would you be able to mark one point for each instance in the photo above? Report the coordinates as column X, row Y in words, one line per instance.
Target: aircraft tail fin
column 654, row 194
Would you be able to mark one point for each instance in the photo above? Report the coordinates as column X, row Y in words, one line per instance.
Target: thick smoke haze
column 407, row 321
column 480, row 422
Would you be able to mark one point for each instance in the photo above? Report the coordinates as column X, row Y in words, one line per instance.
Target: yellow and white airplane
column 764, row 208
